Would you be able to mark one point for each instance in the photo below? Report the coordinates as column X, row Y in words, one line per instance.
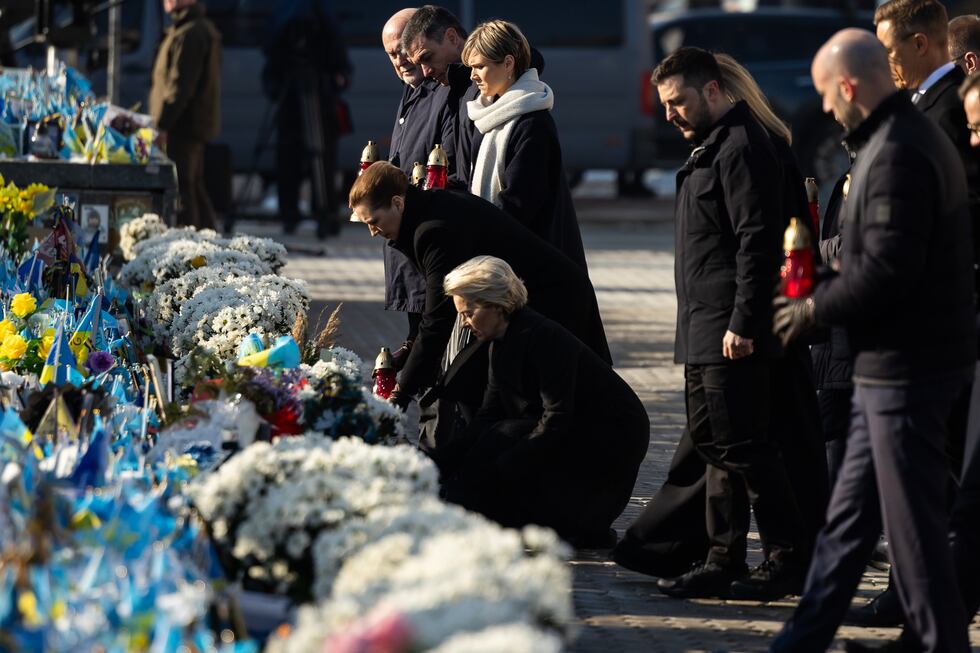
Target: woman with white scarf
column 518, row 164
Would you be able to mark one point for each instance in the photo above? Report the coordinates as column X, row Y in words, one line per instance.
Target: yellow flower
column 47, row 341
column 23, row 304
column 13, row 348
column 7, row 328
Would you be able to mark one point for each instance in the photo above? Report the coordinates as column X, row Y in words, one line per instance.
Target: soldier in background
column 185, row 103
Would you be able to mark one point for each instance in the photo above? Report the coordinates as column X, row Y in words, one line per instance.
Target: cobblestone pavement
column 631, row 264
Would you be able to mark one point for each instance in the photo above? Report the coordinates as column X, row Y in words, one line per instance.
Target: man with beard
column 906, row 258
column 727, row 256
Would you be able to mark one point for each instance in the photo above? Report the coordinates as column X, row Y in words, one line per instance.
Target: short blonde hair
column 495, row 39
column 487, row 281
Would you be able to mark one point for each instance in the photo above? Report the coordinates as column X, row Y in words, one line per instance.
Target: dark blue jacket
column 419, row 125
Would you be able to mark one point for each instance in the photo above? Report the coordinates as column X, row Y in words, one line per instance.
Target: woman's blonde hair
column 487, row 281
column 740, row 85
column 495, row 39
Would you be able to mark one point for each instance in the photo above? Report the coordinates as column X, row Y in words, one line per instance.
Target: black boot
column 772, row 580
column 704, row 580
column 882, row 611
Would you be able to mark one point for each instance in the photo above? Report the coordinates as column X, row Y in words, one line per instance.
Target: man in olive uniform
column 185, row 102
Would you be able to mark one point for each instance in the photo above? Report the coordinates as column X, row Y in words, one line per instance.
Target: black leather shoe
column 879, row 557
column 704, row 580
column 883, row 611
column 772, row 580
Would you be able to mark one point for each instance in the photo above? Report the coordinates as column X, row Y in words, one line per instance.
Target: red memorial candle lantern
column 797, row 272
column 436, row 170
column 384, row 374
column 368, row 156
column 814, row 203
column 418, row 174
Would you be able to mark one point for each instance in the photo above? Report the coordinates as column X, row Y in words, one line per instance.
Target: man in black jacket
column 433, row 40
column 438, row 230
column 906, row 259
column 727, row 256
column 916, row 33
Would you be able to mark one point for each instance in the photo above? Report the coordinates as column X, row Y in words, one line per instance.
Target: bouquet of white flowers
column 267, row 505
column 138, row 230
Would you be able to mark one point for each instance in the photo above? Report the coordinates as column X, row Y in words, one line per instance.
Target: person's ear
column 711, row 90
column 846, row 88
column 452, row 35
column 920, row 42
column 972, row 62
column 509, row 64
column 398, row 203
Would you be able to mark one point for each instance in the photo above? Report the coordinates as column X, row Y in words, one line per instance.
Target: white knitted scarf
column 495, row 120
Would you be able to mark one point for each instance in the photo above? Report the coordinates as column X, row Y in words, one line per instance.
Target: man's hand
column 792, row 318
column 734, row 346
column 399, row 398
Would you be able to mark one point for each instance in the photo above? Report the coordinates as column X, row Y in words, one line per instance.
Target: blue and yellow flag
column 60, row 364
column 83, row 340
column 283, row 355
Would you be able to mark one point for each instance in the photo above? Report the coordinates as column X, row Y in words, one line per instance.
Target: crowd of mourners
column 847, row 420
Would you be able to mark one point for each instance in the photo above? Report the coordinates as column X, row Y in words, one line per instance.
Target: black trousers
column 835, row 416
column 728, row 413
column 964, row 525
column 670, row 534
column 188, row 157
column 894, row 471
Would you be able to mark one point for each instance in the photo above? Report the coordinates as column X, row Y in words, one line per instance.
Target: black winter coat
column 564, row 433
column 418, row 127
column 905, row 289
column 441, row 229
column 728, row 239
column 833, row 360
column 943, row 105
column 534, row 189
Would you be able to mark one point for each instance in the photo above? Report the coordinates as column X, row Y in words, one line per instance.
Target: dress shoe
column 883, row 611
column 704, row 580
column 879, row 557
column 772, row 580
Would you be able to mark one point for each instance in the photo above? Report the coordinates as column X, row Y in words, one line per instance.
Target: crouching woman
column 560, row 436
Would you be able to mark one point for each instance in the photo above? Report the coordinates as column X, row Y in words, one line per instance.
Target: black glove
column 400, row 356
column 792, row 318
column 400, row 399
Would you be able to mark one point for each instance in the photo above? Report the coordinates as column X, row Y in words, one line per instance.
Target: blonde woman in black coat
column 560, row 436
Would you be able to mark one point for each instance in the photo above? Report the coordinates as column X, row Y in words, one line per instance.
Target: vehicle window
column 132, row 24
column 361, row 22
column 583, row 24
column 748, row 39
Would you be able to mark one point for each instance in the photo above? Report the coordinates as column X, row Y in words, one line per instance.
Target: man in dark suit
column 906, row 258
column 727, row 254
column 440, row 229
column 915, row 34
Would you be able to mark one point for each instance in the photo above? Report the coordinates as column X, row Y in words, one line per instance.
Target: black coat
column 419, row 124
column 833, row 360
column 905, row 288
column 534, row 189
column 728, row 239
column 441, row 229
column 943, row 105
column 558, row 428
